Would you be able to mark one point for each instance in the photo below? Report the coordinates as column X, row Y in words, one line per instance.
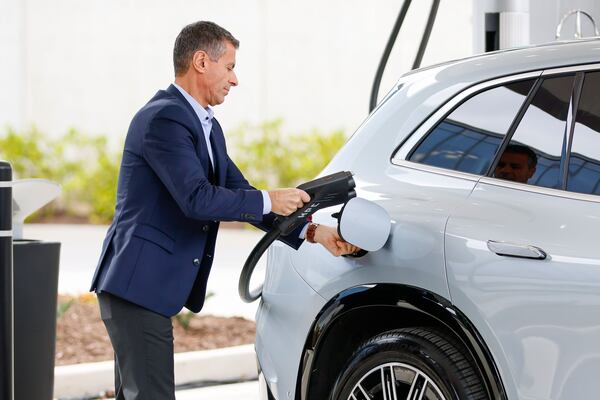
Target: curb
column 227, row 364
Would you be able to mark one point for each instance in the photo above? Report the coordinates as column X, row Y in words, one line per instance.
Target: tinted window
column 467, row 139
column 584, row 164
column 534, row 152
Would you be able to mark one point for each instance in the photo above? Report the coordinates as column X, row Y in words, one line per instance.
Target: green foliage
column 184, row 318
column 269, row 159
column 87, row 169
column 63, row 307
column 27, row 153
column 84, row 166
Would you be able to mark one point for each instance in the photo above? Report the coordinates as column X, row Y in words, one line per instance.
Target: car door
column 523, row 257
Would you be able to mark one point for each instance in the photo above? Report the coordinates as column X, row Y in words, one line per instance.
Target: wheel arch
column 376, row 308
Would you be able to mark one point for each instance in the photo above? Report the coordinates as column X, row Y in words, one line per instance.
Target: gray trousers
column 143, row 345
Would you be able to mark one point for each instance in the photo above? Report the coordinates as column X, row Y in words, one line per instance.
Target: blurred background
column 74, row 72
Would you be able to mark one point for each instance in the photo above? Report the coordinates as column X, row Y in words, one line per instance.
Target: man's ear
column 531, row 172
column 200, row 61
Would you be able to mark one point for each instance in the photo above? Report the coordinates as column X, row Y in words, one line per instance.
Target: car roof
column 500, row 63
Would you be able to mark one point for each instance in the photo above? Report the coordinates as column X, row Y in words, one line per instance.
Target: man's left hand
column 330, row 239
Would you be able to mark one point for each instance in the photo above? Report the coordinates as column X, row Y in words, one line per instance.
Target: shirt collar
column 204, row 114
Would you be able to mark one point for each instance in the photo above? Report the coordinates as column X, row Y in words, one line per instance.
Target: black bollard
column 6, row 285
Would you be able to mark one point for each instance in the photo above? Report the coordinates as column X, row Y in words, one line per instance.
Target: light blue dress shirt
column 205, row 115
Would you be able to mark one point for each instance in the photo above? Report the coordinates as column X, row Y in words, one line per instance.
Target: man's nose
column 233, row 81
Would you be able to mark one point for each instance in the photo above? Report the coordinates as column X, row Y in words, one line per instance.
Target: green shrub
column 63, row 307
column 269, row 159
column 87, row 168
column 84, row 166
column 184, row 317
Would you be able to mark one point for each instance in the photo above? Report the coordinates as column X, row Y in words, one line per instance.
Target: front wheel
column 412, row 363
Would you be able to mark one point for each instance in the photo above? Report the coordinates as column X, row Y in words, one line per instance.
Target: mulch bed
column 81, row 336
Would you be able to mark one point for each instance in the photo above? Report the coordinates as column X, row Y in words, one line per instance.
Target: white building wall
column 546, row 15
column 91, row 64
column 532, row 22
column 12, row 64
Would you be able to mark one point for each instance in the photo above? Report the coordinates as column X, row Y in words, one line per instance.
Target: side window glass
column 534, row 152
column 468, row 138
column 584, row 163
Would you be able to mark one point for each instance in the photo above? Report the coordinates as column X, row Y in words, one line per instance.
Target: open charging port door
column 361, row 222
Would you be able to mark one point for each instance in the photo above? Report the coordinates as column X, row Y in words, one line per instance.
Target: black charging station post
column 6, row 285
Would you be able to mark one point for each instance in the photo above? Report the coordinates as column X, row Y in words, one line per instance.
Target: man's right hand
column 286, row 201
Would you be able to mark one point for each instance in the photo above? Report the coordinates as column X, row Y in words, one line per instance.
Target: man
column 175, row 184
column 517, row 164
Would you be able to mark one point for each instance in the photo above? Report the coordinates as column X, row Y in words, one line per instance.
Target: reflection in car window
column 584, row 163
column 467, row 139
column 541, row 131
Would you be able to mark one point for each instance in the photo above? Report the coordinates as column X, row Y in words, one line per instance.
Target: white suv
column 489, row 284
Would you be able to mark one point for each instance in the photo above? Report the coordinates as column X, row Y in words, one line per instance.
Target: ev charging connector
column 327, row 191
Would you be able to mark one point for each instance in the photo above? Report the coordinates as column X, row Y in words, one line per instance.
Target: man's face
column 514, row 167
column 220, row 76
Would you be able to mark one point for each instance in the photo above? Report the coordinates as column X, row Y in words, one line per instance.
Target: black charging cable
column 324, row 192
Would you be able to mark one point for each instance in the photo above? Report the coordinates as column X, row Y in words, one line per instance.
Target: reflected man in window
column 517, row 164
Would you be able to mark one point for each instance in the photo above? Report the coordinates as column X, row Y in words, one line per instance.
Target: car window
column 584, row 163
column 468, row 138
column 534, row 152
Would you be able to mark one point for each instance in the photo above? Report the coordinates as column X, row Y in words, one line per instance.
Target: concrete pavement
column 81, row 245
column 236, row 391
column 232, row 391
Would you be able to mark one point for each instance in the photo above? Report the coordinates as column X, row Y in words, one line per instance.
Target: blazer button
column 205, row 228
column 196, row 262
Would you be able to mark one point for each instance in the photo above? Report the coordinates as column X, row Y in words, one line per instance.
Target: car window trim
column 437, row 170
column 578, row 76
column 405, row 149
column 568, row 141
column 571, row 69
column 413, row 139
column 488, row 180
column 401, row 152
column 514, row 125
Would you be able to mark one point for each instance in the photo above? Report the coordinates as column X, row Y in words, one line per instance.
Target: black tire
column 447, row 372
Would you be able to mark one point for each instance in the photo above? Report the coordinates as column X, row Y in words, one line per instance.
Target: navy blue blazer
column 158, row 251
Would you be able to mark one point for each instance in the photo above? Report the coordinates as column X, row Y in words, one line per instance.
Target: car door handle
column 516, row 250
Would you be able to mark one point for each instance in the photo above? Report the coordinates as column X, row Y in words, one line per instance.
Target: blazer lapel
column 201, row 145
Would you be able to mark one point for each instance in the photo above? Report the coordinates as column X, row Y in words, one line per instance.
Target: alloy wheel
column 395, row 381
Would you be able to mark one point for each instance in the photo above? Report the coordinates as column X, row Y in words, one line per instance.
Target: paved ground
column 235, row 391
column 80, row 249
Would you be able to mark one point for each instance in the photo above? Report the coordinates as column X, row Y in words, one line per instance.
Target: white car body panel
column 524, row 308
column 441, row 221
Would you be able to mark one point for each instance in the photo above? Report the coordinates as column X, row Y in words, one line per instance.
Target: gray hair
column 202, row 35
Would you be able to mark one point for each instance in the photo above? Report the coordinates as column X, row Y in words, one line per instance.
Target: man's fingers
column 286, row 201
column 304, row 196
column 346, row 248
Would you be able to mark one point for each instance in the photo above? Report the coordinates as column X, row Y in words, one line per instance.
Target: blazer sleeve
column 169, row 148
column 236, row 180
